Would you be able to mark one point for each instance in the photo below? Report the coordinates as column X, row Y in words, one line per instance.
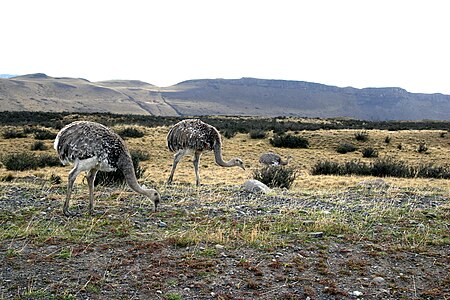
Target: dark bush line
column 232, row 124
column 383, row 167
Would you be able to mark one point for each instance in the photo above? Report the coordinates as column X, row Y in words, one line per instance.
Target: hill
column 245, row 96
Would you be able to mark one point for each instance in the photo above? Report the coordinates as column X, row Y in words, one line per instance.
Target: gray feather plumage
column 193, row 134
column 83, row 139
column 272, row 159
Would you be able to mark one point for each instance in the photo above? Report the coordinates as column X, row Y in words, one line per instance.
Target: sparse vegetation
column 27, row 161
column 257, row 134
column 345, row 148
column 362, row 136
column 369, row 152
column 289, row 141
column 276, row 176
column 381, row 168
column 14, row 134
column 130, row 132
column 316, row 239
column 38, row 146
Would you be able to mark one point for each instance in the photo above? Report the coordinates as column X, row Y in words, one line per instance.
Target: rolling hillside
column 245, row 96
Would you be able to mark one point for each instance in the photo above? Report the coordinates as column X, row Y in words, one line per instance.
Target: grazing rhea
column 273, row 159
column 93, row 147
column 193, row 135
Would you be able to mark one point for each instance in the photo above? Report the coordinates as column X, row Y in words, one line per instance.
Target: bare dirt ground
column 218, row 242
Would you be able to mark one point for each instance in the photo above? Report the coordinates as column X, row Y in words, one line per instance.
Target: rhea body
column 195, row 136
column 93, row 147
column 273, row 159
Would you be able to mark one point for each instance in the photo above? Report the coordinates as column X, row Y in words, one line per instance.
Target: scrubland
column 327, row 237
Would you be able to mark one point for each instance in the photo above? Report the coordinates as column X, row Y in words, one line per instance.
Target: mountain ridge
column 195, row 97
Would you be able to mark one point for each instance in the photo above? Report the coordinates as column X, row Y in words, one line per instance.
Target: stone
column 378, row 280
column 255, row 186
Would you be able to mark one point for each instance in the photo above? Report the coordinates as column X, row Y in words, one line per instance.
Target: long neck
column 218, row 155
column 130, row 175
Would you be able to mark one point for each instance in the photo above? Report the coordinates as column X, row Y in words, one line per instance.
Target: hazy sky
column 344, row 43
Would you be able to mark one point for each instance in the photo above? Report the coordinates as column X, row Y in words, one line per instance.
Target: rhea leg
column 176, row 159
column 91, row 178
column 73, row 174
column 196, row 163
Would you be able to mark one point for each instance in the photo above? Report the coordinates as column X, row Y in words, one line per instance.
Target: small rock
column 219, row 247
column 318, row 234
column 255, row 186
column 162, row 224
column 378, row 280
column 356, row 293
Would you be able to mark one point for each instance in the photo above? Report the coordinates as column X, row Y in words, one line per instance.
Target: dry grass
column 361, row 227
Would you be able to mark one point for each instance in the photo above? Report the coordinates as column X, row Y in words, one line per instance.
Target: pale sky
column 396, row 43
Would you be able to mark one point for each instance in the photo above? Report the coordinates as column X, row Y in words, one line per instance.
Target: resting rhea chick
column 273, row 159
column 194, row 136
column 93, row 147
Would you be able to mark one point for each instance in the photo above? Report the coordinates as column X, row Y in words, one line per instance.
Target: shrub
column 422, row 148
column 140, row 155
column 387, row 139
column 276, row 176
column 229, row 133
column 38, row 146
column 117, row 177
column 130, row 132
column 13, row 134
column 389, row 167
column 381, row 168
column 345, row 148
column 356, row 167
column 257, row 134
column 362, row 136
column 369, row 152
column 431, row 171
column 55, row 179
column 29, row 161
column 400, row 146
column 44, row 135
column 289, row 141
column 326, row 167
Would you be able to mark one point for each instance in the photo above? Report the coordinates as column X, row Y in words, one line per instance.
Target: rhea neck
column 218, row 156
column 129, row 173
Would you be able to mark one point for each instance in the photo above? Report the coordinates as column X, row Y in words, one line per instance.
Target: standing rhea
column 93, row 147
column 273, row 159
column 193, row 135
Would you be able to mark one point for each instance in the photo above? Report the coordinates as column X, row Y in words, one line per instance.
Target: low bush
column 130, row 132
column 44, row 135
column 362, row 136
column 422, row 148
column 345, row 148
column 289, row 141
column 38, row 146
column 14, row 134
column 385, row 167
column 369, row 152
column 276, row 176
column 257, row 134
column 326, row 167
column 29, row 161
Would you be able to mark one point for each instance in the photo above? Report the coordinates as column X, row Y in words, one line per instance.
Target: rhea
column 273, row 159
column 195, row 136
column 93, row 147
